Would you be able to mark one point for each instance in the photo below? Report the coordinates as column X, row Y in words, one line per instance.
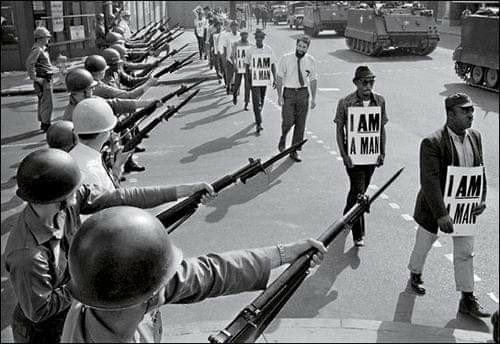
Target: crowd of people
column 104, row 280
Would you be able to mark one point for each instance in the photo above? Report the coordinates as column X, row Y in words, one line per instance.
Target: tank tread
column 469, row 83
column 363, row 47
column 464, row 71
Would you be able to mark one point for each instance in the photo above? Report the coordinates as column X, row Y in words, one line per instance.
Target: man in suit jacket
column 456, row 144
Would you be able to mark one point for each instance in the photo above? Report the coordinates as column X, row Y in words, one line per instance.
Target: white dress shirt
column 464, row 149
column 287, row 70
column 228, row 43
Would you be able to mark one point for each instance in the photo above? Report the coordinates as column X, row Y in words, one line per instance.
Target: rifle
column 165, row 38
column 176, row 215
column 141, row 29
column 175, row 51
column 254, row 318
column 136, row 139
column 131, row 120
column 174, row 66
column 146, row 71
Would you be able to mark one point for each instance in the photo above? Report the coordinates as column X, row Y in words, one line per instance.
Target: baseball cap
column 458, row 99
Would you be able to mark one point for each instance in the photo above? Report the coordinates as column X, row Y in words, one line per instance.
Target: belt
column 296, row 89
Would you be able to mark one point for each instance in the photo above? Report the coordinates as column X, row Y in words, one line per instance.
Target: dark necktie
column 301, row 78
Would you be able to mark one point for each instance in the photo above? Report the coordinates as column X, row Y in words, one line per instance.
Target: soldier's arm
column 31, row 61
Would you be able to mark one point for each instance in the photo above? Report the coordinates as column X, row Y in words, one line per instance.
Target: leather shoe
column 132, row 166
column 139, row 149
column 259, row 128
column 235, row 100
column 246, row 107
column 281, row 147
column 415, row 282
column 295, row 157
column 469, row 306
column 44, row 127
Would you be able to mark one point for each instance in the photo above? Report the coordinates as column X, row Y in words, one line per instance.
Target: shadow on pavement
column 25, row 102
column 405, row 305
column 204, row 108
column 19, row 137
column 12, row 203
column 10, row 183
column 217, row 145
column 488, row 100
column 468, row 323
column 213, row 118
column 243, row 193
column 387, row 56
column 316, row 291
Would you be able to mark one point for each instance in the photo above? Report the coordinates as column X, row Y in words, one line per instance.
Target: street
column 211, row 137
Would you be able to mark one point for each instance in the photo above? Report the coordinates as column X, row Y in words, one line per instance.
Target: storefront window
column 9, row 35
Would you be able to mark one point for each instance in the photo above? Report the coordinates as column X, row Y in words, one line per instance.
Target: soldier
column 115, row 76
column 96, row 65
column 100, row 32
column 124, row 238
column 259, row 92
column 37, row 249
column 129, row 67
column 230, row 38
column 359, row 175
column 296, row 71
column 242, row 45
column 40, row 70
column 456, row 144
column 94, row 122
column 61, row 135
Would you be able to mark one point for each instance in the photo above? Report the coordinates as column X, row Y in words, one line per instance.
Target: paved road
column 212, row 137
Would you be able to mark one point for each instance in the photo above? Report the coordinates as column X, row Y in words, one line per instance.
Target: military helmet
column 79, row 79
column 95, row 63
column 111, row 56
column 41, row 32
column 120, row 48
column 47, row 176
column 61, row 135
column 119, row 29
column 112, row 37
column 121, row 257
column 92, row 116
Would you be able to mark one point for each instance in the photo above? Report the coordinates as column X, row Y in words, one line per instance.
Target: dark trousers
column 258, row 96
column 293, row 114
column 229, row 74
column 44, row 93
column 201, row 45
column 359, row 178
column 45, row 332
column 237, row 83
column 222, row 66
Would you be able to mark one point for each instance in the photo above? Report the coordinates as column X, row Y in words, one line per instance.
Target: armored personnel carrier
column 476, row 58
column 325, row 15
column 372, row 30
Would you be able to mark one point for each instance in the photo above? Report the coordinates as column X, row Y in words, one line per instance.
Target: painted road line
column 493, row 297
column 449, row 256
column 384, row 196
column 333, row 89
column 394, row 205
column 320, row 142
column 332, row 152
column 314, row 137
column 407, row 217
column 308, row 132
column 437, row 244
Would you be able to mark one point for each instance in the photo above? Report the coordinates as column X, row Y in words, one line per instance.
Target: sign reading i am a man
column 261, row 69
column 462, row 195
column 241, row 57
column 364, row 125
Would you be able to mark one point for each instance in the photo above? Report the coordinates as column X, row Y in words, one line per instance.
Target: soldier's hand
column 209, row 196
column 380, row 160
column 152, row 82
column 445, row 223
column 121, row 158
column 281, row 101
column 479, row 209
column 294, row 250
column 348, row 161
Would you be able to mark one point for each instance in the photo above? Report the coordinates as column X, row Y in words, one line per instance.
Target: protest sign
column 241, row 57
column 462, row 194
column 261, row 69
column 363, row 134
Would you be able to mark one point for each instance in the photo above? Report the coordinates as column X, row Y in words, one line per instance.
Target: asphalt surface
column 211, row 137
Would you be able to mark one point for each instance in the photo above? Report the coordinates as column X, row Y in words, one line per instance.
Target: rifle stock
column 136, row 139
column 251, row 322
column 175, row 215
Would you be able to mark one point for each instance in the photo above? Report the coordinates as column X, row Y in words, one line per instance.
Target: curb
column 332, row 330
column 31, row 91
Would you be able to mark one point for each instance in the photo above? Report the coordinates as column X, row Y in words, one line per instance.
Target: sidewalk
column 17, row 83
column 319, row 330
column 450, row 30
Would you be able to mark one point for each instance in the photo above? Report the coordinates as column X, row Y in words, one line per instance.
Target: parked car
column 279, row 14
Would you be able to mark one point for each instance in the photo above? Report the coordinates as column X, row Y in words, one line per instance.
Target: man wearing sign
column 261, row 63
column 360, row 121
column 456, row 145
column 239, row 56
column 232, row 37
column 296, row 71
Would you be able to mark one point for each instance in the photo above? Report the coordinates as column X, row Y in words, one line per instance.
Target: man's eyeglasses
column 366, row 82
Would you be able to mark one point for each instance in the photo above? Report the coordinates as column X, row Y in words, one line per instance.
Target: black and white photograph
column 250, row 171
